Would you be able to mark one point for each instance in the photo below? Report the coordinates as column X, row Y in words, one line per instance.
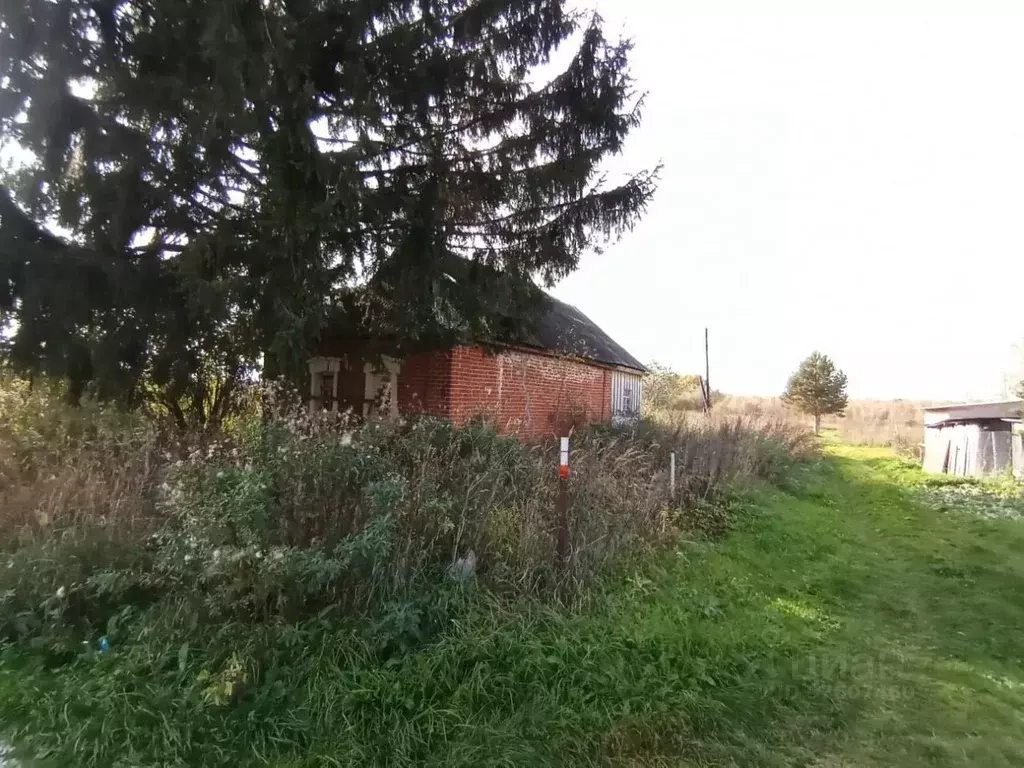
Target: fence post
column 672, row 475
column 561, row 502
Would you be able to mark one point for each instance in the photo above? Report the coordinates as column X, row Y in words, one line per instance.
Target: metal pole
column 672, row 475
column 561, row 501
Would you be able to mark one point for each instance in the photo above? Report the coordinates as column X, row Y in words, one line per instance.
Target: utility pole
column 707, row 375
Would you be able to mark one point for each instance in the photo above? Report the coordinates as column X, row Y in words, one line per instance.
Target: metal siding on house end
column 627, row 394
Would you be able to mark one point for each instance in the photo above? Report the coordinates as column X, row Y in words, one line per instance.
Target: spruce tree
column 817, row 388
column 202, row 186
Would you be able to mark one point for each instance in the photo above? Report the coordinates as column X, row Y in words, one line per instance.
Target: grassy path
column 841, row 624
column 912, row 617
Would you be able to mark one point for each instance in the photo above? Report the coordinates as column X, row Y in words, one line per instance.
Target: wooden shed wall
column 968, row 448
column 1018, row 449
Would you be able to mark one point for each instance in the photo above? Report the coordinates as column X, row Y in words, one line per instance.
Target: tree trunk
column 817, row 423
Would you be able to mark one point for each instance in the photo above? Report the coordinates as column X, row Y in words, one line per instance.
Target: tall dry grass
column 168, row 583
column 62, row 468
column 284, row 514
column 896, row 423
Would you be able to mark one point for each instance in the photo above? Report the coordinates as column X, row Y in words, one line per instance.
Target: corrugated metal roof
column 1018, row 403
column 1002, row 409
column 982, row 421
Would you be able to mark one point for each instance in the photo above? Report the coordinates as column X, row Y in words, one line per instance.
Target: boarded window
column 327, row 390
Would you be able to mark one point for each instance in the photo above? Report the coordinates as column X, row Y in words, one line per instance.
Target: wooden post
column 672, row 476
column 707, row 372
column 562, row 502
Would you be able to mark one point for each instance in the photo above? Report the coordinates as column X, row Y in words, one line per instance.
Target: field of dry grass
column 896, row 423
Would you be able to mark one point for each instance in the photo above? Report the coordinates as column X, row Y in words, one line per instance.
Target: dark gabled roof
column 522, row 315
column 564, row 329
column 554, row 326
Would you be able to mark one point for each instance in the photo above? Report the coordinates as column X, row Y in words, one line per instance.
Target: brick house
column 569, row 374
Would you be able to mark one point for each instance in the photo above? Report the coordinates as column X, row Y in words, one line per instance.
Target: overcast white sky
column 841, row 176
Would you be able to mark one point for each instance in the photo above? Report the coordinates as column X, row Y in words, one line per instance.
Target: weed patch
column 989, row 497
column 839, row 618
column 292, row 567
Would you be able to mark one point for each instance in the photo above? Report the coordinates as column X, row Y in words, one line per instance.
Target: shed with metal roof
column 974, row 439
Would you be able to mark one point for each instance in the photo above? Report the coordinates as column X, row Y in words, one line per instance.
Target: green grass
column 846, row 622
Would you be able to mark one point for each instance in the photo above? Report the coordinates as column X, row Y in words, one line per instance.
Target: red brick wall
column 522, row 392
column 527, row 393
column 475, row 385
column 423, row 383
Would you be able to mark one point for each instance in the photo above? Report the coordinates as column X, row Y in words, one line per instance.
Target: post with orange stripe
column 561, row 502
